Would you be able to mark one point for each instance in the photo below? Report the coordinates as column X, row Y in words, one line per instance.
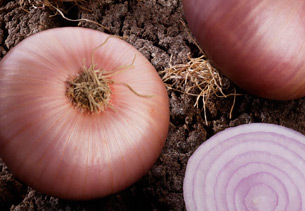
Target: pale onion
column 58, row 150
column 258, row 44
column 255, row 167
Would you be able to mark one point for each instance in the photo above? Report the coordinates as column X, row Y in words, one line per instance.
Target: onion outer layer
column 57, row 150
column 251, row 167
column 258, row 44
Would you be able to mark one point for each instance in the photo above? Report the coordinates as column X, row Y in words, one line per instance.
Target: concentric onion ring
column 250, row 167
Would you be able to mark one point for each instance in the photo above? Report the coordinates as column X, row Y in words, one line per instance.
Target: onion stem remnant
column 90, row 91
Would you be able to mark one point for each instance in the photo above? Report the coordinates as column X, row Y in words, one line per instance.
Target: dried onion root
column 196, row 78
column 56, row 5
column 48, row 3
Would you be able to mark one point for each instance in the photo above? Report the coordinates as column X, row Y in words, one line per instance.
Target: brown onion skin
column 258, row 44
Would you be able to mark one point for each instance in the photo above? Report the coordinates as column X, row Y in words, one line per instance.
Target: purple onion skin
column 258, row 44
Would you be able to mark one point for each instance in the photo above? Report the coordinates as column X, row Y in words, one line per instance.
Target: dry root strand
column 196, row 78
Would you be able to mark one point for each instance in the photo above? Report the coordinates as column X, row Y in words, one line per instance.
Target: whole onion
column 258, row 44
column 82, row 114
column 255, row 167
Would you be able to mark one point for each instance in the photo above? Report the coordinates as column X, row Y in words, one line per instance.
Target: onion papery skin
column 259, row 44
column 251, row 167
column 58, row 150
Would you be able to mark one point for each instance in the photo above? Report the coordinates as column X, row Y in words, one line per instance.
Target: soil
column 156, row 29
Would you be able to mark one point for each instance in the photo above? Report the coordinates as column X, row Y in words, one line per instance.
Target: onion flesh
column 58, row 150
column 251, row 167
column 259, row 45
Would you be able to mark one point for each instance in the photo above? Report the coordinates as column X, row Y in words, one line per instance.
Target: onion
column 249, row 167
column 259, row 45
column 52, row 141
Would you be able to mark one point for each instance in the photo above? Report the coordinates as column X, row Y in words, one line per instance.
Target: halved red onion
column 257, row 167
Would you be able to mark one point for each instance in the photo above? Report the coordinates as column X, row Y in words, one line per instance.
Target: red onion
column 68, row 142
column 250, row 167
column 258, row 44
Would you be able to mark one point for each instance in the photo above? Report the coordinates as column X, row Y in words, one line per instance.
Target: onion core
column 255, row 167
column 55, row 147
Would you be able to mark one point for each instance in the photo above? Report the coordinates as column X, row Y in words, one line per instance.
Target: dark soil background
column 155, row 28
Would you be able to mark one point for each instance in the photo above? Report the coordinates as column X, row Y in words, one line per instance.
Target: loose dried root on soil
column 196, row 78
column 49, row 3
column 56, row 5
